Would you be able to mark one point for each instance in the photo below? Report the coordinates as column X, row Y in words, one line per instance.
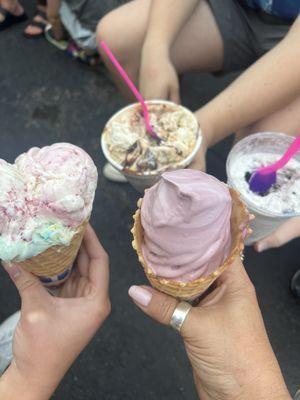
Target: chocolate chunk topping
column 147, row 162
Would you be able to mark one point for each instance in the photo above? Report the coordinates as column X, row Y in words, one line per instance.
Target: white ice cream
column 283, row 197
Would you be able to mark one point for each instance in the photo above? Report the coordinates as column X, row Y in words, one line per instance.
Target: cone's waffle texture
column 57, row 259
column 190, row 290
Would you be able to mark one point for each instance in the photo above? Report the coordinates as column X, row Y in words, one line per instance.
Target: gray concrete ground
column 47, row 97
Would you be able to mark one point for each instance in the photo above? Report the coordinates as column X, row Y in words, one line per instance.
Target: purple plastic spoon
column 263, row 178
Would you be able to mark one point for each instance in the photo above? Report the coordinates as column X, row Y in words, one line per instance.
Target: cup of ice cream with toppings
column 282, row 200
column 46, row 200
column 188, row 228
column 130, row 148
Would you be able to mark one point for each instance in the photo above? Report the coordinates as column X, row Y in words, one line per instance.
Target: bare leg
column 198, row 47
column 53, row 7
column 12, row 6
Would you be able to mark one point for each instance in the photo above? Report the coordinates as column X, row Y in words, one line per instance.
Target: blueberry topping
column 263, row 194
column 247, row 176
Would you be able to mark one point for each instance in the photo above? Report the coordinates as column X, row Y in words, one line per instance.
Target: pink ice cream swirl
column 13, row 209
column 61, row 179
column 186, row 222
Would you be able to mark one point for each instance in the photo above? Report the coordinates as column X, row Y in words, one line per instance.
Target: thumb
column 157, row 305
column 28, row 285
column 286, row 232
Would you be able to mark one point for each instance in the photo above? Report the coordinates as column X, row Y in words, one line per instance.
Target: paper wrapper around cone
column 55, row 262
column 191, row 290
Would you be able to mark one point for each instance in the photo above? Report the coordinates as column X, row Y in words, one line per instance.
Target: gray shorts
column 247, row 34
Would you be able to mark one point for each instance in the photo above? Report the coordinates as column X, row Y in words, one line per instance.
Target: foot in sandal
column 50, row 36
column 37, row 26
column 11, row 12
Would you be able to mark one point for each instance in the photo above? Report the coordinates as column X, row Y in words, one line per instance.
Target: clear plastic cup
column 265, row 222
column 143, row 181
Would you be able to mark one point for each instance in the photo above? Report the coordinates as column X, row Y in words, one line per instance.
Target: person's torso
column 289, row 9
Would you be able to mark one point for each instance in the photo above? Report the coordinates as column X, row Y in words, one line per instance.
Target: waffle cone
column 57, row 259
column 190, row 290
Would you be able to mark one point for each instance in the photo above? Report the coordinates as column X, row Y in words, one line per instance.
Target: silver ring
column 179, row 315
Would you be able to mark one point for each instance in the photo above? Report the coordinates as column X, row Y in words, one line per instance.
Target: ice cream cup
column 142, row 181
column 191, row 290
column 265, row 222
column 54, row 265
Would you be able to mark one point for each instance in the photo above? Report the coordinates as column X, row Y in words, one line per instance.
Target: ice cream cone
column 191, row 290
column 54, row 265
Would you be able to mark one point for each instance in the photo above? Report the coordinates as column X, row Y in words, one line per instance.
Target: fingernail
column 140, row 295
column 12, row 269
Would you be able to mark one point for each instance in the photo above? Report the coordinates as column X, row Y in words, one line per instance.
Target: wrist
column 272, row 394
column 207, row 126
column 32, row 386
column 155, row 47
column 268, row 386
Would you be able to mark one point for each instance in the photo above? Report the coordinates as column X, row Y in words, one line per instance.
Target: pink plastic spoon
column 131, row 86
column 263, row 178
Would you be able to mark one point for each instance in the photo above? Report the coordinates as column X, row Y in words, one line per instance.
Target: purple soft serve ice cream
column 186, row 222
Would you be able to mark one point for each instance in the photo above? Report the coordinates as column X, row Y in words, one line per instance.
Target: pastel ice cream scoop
column 13, row 208
column 46, row 199
column 61, row 179
column 186, row 222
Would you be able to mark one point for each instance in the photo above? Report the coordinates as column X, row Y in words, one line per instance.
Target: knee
column 105, row 29
column 108, row 30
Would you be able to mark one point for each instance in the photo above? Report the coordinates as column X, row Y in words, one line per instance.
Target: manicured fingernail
column 140, row 295
column 12, row 269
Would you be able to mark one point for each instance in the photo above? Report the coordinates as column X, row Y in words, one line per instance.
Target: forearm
column 265, row 393
column 267, row 86
column 270, row 386
column 165, row 21
column 14, row 386
column 260, row 376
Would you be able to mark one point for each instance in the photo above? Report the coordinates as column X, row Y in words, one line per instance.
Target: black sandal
column 11, row 19
column 37, row 24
